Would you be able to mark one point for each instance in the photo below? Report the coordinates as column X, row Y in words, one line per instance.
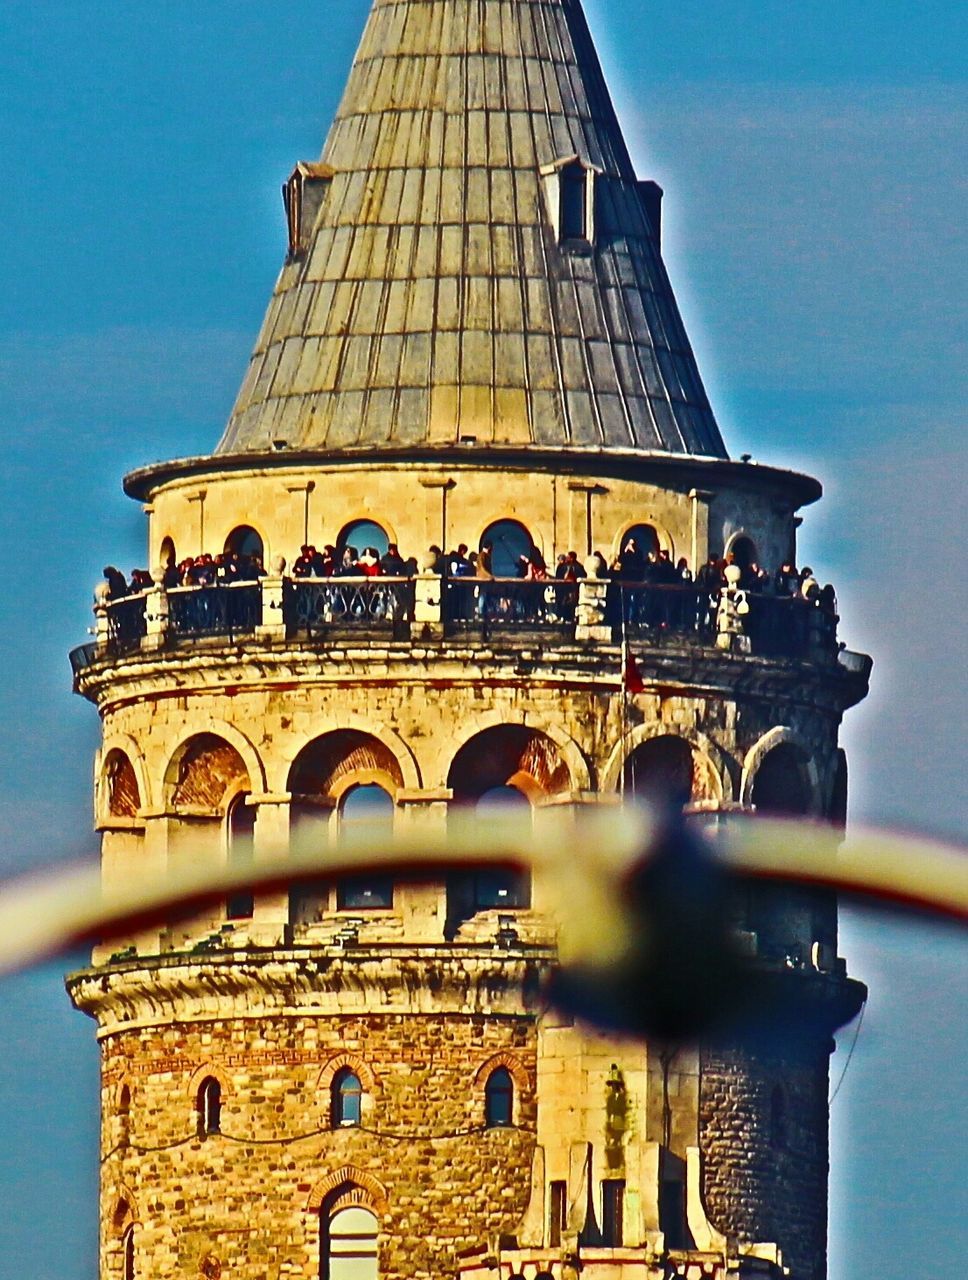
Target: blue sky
column 813, row 160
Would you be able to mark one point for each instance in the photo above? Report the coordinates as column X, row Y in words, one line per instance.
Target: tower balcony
column 476, row 614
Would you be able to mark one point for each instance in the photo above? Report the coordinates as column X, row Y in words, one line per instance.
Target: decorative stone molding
column 337, row 1063
column 372, row 1193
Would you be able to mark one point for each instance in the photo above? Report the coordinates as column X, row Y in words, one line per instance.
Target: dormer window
column 303, row 195
column 570, row 193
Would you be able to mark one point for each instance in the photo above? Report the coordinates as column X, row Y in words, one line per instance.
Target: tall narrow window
column 127, row 1254
column 350, row 1248
column 209, row 1107
column 241, row 850
column 557, row 1213
column 499, row 1099
column 347, row 1102
column 613, row 1202
column 573, row 188
column 366, row 814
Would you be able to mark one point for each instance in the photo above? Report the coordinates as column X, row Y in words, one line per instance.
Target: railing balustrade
column 589, row 611
column 488, row 605
column 653, row 612
column 230, row 611
column 321, row 606
column 127, row 625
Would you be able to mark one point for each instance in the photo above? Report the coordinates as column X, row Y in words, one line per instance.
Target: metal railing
column 477, row 608
column 323, row 606
column 488, row 605
column 776, row 626
column 127, row 625
column 653, row 612
column 230, row 611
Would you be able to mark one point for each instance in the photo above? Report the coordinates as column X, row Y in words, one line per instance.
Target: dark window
column 509, row 541
column 347, row 1099
column 557, row 1213
column 573, row 185
column 782, row 782
column 241, row 847
column 743, row 551
column 124, row 1101
column 499, row 1099
column 167, row 555
column 645, row 538
column 127, row 1254
column 244, row 541
column 661, row 770
column 209, row 1107
column 613, row 1201
column 366, row 814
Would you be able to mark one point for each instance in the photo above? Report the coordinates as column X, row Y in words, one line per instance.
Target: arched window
column 127, row 1254
column 124, row 1100
column 778, row 1120
column 509, row 541
column 244, row 541
column 241, row 845
column 209, row 1107
column 645, row 538
column 743, row 551
column 360, row 534
column 350, row 1247
column 661, row 770
column 782, row 782
column 496, row 887
column 347, row 1099
column 166, row 556
column 241, row 832
column 499, row 1099
column 366, row 813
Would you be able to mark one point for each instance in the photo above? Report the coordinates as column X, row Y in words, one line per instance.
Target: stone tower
column 473, row 340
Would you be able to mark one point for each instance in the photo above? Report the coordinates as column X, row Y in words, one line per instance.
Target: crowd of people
column 630, row 568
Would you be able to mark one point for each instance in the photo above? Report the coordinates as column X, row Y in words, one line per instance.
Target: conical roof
column 441, row 293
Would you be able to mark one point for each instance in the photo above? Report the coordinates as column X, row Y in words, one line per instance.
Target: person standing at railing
column 787, row 579
column 117, row 583
column 302, row 566
column 392, row 564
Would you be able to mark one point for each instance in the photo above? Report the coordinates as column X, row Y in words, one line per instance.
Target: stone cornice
column 391, row 980
column 255, row 666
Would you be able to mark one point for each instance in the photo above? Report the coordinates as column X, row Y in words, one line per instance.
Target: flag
column 632, row 678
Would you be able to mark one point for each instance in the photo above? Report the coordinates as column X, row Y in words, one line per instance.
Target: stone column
column 273, row 624
column 156, row 612
column 590, row 624
column 424, row 905
column 428, row 599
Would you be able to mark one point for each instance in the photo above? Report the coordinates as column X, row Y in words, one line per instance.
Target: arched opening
column 207, row 768
column 246, row 543
column 127, row 1254
column 743, row 552
column 241, row 838
column 485, row 772
column 349, row 1239
column 499, row 1099
column 509, row 540
column 166, row 556
column 124, row 1100
column 346, row 1102
column 359, row 534
column 123, row 792
column 365, row 814
column 782, row 782
column 645, row 538
column 208, row 1106
column 662, row 771
column 357, row 772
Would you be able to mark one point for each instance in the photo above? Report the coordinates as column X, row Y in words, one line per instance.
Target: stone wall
column 763, row 1125
column 246, row 1204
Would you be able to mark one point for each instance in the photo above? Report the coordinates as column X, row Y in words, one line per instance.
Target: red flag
column 633, row 677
